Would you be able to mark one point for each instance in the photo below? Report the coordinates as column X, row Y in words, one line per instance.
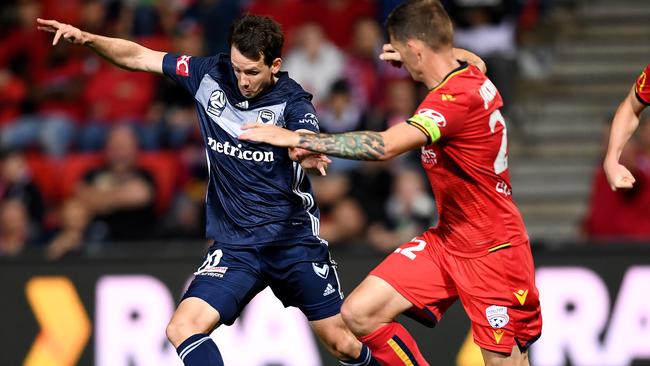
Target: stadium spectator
column 14, row 227
column 342, row 218
column 488, row 28
column 118, row 198
column 16, row 185
column 337, row 17
column 291, row 14
column 115, row 97
column 215, row 17
column 410, row 209
column 13, row 91
column 314, row 62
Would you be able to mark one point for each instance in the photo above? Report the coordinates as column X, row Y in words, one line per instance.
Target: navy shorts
column 300, row 274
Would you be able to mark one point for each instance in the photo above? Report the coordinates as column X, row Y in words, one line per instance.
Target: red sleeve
column 642, row 89
column 446, row 111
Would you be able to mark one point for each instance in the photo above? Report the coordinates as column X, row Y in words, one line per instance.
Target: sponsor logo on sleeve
column 183, row 66
column 435, row 116
column 309, row 118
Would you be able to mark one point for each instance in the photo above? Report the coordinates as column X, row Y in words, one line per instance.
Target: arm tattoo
column 363, row 145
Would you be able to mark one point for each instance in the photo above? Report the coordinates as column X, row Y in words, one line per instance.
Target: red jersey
column 467, row 164
column 642, row 89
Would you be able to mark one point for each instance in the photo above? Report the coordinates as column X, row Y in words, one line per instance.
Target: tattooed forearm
column 364, row 145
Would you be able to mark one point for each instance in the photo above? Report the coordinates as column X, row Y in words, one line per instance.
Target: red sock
column 392, row 345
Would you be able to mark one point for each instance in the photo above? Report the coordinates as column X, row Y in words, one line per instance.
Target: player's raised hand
column 274, row 135
column 390, row 55
column 68, row 32
column 618, row 176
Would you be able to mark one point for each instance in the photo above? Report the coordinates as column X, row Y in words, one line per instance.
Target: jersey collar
column 463, row 66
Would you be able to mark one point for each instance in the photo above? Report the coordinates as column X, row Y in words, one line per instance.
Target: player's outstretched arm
column 125, row 54
column 626, row 120
column 360, row 145
column 465, row 55
column 390, row 55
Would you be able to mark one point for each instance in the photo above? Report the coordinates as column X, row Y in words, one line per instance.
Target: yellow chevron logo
column 521, row 296
column 498, row 334
column 65, row 327
column 448, row 97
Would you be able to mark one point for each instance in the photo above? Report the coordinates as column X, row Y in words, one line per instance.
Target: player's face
column 410, row 58
column 253, row 77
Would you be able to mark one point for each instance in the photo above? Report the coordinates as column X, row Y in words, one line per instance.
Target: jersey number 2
column 409, row 252
column 501, row 162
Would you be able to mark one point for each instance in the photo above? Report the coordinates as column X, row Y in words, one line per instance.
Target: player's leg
column 515, row 358
column 222, row 286
column 370, row 313
column 424, row 291
column 499, row 295
column 189, row 331
column 341, row 343
column 303, row 275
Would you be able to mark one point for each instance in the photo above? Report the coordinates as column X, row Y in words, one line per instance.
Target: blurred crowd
column 91, row 154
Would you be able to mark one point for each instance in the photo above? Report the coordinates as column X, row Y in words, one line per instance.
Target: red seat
column 73, row 169
column 58, row 180
column 164, row 168
column 45, row 174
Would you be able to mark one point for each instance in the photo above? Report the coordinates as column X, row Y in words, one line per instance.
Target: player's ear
column 276, row 65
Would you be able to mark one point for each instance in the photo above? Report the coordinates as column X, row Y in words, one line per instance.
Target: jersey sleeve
column 301, row 115
column 642, row 89
column 188, row 71
column 439, row 116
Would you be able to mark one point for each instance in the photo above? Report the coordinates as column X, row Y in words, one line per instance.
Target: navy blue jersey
column 256, row 193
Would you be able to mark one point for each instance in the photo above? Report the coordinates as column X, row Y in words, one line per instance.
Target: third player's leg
column 373, row 304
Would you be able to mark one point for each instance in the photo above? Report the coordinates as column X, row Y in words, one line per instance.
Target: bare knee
column 193, row 316
column 358, row 320
column 179, row 329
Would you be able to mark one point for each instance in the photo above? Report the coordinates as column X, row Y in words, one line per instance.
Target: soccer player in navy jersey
column 261, row 212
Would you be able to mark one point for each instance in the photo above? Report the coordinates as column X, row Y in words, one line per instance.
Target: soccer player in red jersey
column 479, row 252
column 626, row 120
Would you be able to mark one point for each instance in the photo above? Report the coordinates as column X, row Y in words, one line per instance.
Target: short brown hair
column 424, row 20
column 257, row 36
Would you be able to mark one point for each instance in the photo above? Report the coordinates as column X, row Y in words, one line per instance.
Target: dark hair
column 255, row 35
column 424, row 20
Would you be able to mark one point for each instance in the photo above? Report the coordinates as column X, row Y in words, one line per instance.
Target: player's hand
column 310, row 160
column 618, row 176
column 274, row 135
column 68, row 32
column 317, row 162
column 390, row 55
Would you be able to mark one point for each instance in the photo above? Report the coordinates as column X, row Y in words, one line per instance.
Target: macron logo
column 183, row 66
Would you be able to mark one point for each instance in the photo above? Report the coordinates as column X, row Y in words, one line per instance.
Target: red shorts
column 497, row 290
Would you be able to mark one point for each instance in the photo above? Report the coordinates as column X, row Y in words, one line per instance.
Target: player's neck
column 440, row 64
